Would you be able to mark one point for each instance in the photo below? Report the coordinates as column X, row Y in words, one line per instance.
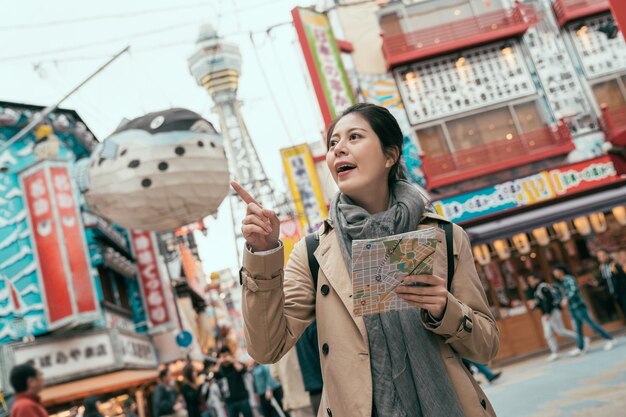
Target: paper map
column 379, row 266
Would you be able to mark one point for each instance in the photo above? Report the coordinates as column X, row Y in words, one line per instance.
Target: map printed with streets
column 380, row 265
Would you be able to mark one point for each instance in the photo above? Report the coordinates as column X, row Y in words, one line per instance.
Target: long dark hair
column 386, row 128
column 188, row 374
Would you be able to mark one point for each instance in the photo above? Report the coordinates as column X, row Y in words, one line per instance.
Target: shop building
column 512, row 106
column 70, row 298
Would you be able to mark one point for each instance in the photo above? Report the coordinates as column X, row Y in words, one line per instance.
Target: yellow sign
column 305, row 186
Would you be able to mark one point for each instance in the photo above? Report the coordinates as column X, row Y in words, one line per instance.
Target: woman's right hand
column 260, row 227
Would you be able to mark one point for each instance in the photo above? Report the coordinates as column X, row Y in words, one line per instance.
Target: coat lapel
column 332, row 264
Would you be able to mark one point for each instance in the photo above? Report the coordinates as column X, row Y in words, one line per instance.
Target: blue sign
column 184, row 339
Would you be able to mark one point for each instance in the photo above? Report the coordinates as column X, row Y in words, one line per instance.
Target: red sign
column 57, row 234
column 151, row 283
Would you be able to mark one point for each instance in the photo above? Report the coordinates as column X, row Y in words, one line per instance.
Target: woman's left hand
column 432, row 295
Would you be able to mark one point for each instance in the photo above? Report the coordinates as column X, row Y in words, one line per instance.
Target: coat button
column 325, row 349
column 324, row 290
column 483, row 403
column 329, row 412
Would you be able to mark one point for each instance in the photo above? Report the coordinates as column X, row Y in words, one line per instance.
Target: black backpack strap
column 447, row 228
column 312, row 242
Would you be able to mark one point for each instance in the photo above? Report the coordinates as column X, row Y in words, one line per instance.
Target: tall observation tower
column 216, row 66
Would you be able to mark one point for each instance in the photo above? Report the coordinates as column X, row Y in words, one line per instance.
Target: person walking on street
column 309, row 359
column 399, row 363
column 483, row 369
column 165, row 397
column 614, row 278
column 267, row 388
column 548, row 298
column 27, row 382
column 579, row 312
column 230, row 375
column 190, row 390
column 296, row 400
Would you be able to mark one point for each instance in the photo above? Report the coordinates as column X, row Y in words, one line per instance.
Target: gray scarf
column 409, row 377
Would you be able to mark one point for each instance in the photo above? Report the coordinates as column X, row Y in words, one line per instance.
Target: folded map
column 380, row 265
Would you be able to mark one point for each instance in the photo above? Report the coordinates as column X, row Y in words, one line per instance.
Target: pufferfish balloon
column 158, row 172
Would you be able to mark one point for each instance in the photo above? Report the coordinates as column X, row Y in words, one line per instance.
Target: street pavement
column 593, row 385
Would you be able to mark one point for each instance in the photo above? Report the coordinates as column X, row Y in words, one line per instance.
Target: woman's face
column 356, row 159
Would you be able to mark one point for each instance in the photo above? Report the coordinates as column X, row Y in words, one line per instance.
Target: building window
column 529, row 116
column 610, row 93
column 114, row 288
column 433, row 141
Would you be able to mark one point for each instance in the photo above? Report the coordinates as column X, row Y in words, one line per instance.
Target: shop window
column 609, row 93
column 472, row 131
column 122, row 291
column 529, row 116
column 464, row 133
column 108, row 291
column 432, row 141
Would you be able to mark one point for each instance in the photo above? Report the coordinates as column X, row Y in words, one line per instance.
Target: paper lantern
column 481, row 254
column 598, row 222
column 619, row 213
column 521, row 242
column 502, row 249
column 158, row 172
column 562, row 231
column 541, row 236
column 582, row 226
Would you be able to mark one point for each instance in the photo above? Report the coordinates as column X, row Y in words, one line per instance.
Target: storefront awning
column 97, row 385
column 544, row 216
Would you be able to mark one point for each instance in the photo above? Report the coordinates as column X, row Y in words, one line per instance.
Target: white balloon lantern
column 158, row 172
column 502, row 248
column 481, row 254
column 541, row 236
column 619, row 213
column 598, row 222
column 582, row 225
column 562, row 231
column 521, row 242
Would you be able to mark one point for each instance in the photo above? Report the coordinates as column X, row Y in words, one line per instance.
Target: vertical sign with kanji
column 151, row 282
column 61, row 256
column 324, row 63
column 305, row 186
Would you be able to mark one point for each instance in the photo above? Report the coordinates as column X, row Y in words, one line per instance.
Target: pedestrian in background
column 190, row 390
column 230, row 375
column 308, row 351
column 399, row 363
column 165, row 396
column 27, row 382
column 483, row 369
column 129, row 407
column 267, row 389
column 92, row 407
column 613, row 277
column 287, row 373
column 548, row 299
column 579, row 312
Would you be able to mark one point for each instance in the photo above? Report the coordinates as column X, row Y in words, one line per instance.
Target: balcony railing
column 614, row 123
column 460, row 34
column 497, row 156
column 568, row 10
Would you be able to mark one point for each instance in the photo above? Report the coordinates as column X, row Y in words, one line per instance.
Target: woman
column 401, row 363
column 190, row 390
column 578, row 311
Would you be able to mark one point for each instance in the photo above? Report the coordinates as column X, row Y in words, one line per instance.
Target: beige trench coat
column 278, row 305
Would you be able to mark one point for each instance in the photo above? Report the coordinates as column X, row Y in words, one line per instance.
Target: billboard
column 61, row 255
column 290, row 234
column 540, row 187
column 323, row 60
column 155, row 294
column 305, row 186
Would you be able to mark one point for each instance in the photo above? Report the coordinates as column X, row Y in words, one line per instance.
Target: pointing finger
column 243, row 194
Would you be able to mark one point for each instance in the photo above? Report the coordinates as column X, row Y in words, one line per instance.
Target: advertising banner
column 544, row 186
column 152, row 285
column 57, row 235
column 290, row 234
column 323, row 60
column 305, row 186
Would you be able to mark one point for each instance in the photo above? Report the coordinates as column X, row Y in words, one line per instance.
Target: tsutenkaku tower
column 216, row 66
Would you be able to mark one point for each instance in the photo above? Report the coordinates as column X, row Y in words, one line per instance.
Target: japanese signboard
column 136, row 350
column 323, row 60
column 544, row 186
column 56, row 228
column 152, row 285
column 305, row 186
column 60, row 358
